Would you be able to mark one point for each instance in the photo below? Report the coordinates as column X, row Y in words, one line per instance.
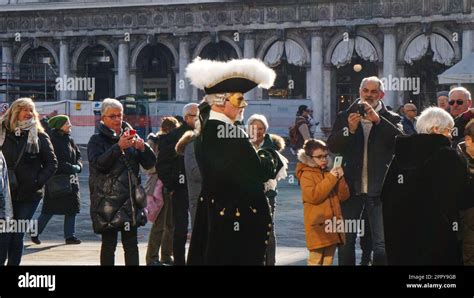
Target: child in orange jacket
column 322, row 191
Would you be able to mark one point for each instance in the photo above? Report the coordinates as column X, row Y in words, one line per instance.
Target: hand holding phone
column 337, row 162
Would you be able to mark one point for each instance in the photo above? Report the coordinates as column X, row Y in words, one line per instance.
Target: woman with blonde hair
column 31, row 162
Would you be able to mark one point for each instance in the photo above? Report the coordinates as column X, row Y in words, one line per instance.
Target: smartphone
column 337, row 162
column 361, row 109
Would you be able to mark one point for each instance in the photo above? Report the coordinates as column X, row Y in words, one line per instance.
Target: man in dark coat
column 366, row 143
column 233, row 220
column 409, row 119
column 421, row 195
column 171, row 171
column 69, row 165
column 113, row 203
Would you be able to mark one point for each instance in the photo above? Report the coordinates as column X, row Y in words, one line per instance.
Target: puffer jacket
column 6, row 210
column 68, row 155
column 111, row 203
column 321, row 193
column 33, row 170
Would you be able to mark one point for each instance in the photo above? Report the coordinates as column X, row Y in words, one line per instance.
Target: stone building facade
column 323, row 40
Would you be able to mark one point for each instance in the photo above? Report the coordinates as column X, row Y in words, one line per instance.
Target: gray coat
column 185, row 147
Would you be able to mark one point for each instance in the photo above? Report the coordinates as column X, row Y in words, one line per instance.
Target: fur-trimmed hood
column 278, row 141
column 187, row 138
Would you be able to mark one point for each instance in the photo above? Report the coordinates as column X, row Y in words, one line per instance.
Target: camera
column 361, row 110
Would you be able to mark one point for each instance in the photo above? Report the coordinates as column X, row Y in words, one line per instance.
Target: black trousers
column 180, row 218
column 130, row 246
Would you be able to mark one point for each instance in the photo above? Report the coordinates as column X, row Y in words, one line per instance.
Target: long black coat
column 68, row 154
column 33, row 169
column 233, row 217
column 351, row 146
column 111, row 205
column 420, row 199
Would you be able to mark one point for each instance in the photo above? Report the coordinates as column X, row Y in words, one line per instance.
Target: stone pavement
column 291, row 244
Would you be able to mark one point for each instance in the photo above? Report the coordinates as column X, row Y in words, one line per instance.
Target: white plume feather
column 205, row 73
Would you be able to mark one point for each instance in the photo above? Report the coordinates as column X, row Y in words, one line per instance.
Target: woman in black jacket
column 69, row 165
column 421, row 195
column 29, row 153
column 111, row 153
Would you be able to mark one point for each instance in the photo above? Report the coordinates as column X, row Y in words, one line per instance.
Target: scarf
column 32, row 143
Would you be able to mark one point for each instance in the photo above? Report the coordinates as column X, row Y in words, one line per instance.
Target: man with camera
column 365, row 135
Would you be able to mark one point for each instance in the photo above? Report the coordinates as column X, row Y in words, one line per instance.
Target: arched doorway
column 37, row 73
column 96, row 62
column 287, row 58
column 355, row 59
column 426, row 57
column 155, row 75
column 348, row 80
column 220, row 51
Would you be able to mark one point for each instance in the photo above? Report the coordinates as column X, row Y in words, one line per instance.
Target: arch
column 207, row 40
column 419, row 31
column 142, row 44
column 361, row 33
column 77, row 53
column 29, row 45
column 274, row 38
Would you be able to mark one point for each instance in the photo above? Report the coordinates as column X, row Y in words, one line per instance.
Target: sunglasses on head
column 459, row 102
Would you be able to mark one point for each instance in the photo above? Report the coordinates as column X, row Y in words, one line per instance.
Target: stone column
column 249, row 52
column 467, row 40
column 316, row 80
column 7, row 60
column 64, row 67
column 133, row 80
column 123, row 69
column 183, row 87
column 389, row 64
column 328, row 101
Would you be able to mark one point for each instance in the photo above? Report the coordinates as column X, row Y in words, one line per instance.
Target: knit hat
column 57, row 121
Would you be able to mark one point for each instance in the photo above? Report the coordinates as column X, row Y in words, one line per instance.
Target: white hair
column 372, row 79
column 217, row 99
column 258, row 117
column 110, row 103
column 433, row 117
column 187, row 108
column 463, row 90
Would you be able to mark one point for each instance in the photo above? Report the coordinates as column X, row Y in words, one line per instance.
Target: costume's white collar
column 213, row 115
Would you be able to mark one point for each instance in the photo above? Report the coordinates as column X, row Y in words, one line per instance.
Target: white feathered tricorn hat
column 238, row 75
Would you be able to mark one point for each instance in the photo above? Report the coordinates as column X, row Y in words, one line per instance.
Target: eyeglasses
column 321, row 157
column 113, row 117
column 459, row 102
column 411, row 110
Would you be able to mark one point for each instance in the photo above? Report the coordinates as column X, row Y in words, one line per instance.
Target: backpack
column 293, row 135
column 293, row 132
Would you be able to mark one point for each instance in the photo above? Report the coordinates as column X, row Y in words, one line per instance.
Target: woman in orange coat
column 322, row 191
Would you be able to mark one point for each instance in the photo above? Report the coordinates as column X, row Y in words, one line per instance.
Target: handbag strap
column 15, row 165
